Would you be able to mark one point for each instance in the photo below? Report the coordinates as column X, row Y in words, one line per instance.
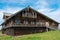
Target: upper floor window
column 34, row 14
column 33, row 22
column 28, row 14
column 17, row 21
column 25, row 21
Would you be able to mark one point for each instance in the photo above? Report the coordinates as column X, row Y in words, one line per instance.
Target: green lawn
column 51, row 35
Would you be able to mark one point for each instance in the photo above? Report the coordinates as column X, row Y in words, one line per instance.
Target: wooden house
column 27, row 21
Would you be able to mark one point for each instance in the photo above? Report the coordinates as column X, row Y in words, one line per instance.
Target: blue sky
column 51, row 8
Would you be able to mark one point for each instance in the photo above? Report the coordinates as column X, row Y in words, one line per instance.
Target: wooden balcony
column 28, row 25
column 24, row 25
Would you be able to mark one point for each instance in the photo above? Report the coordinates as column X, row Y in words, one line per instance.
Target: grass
column 51, row 35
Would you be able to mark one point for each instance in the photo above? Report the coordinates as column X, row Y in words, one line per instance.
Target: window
column 25, row 21
column 33, row 22
column 34, row 14
column 17, row 21
column 28, row 14
column 42, row 23
column 23, row 14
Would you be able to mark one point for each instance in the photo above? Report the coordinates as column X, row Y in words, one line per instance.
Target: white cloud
column 10, row 9
column 1, row 16
column 55, row 15
column 41, row 4
column 13, row 1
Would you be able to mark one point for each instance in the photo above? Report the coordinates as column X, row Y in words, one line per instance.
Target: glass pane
column 34, row 22
column 17, row 21
column 26, row 22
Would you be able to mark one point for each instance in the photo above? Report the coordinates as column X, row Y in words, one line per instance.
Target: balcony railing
column 25, row 25
column 28, row 25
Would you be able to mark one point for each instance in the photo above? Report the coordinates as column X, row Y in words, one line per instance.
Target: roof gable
column 29, row 8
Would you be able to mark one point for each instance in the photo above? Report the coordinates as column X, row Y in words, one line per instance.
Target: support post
column 47, row 29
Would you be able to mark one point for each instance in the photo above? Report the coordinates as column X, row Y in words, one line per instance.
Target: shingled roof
column 31, row 9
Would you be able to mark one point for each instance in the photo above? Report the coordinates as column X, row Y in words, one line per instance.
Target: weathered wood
column 42, row 23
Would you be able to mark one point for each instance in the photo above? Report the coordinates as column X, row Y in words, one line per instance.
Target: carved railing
column 29, row 25
column 25, row 25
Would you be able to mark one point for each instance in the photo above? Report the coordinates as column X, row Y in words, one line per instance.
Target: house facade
column 27, row 21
